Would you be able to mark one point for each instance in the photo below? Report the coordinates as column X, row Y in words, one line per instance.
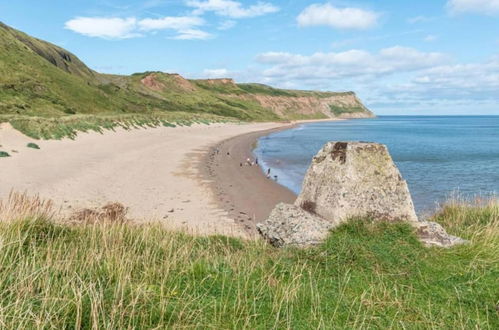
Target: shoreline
column 244, row 192
column 165, row 175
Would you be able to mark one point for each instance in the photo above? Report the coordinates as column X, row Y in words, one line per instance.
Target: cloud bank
column 487, row 7
column 232, row 9
column 185, row 27
column 339, row 18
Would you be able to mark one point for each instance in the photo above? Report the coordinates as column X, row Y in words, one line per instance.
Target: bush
column 33, row 145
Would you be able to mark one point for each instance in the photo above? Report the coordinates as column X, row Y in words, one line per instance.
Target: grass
column 4, row 154
column 33, row 145
column 69, row 126
column 340, row 110
column 366, row 275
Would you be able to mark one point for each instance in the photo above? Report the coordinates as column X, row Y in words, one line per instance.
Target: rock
column 433, row 234
column 356, row 179
column 291, row 225
column 344, row 181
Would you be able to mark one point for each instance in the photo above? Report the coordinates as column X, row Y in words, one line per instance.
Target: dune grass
column 69, row 126
column 120, row 276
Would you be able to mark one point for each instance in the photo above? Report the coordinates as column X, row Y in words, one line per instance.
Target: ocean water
column 440, row 157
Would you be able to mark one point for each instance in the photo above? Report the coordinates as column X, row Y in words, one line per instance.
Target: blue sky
column 400, row 56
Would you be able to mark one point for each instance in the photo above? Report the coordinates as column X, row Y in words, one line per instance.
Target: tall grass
column 366, row 275
column 69, row 126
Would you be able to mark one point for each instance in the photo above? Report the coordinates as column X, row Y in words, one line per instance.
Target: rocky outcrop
column 348, row 104
column 433, row 234
column 151, row 82
column 291, row 225
column 219, row 81
column 348, row 180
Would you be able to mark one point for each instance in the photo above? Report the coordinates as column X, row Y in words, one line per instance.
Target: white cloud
column 226, row 25
column 488, row 7
column 216, row 73
column 102, row 27
column 186, row 27
column 349, row 64
column 430, row 38
column 174, row 23
column 192, row 34
column 475, row 78
column 340, row 18
column 230, row 8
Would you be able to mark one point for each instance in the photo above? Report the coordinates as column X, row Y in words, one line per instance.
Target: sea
column 440, row 157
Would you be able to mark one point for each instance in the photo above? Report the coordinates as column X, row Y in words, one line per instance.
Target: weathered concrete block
column 349, row 179
column 291, row 225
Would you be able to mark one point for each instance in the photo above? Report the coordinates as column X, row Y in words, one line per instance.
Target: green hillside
column 43, row 81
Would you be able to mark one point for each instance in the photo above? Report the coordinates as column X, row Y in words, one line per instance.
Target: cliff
column 38, row 78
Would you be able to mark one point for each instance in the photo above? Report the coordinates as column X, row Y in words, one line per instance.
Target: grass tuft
column 366, row 275
column 33, row 145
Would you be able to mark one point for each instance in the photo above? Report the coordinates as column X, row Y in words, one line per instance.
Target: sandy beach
column 243, row 191
column 162, row 174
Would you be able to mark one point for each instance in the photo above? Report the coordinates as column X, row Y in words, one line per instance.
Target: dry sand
column 161, row 174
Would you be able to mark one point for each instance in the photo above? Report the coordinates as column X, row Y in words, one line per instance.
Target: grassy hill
column 44, row 87
column 116, row 275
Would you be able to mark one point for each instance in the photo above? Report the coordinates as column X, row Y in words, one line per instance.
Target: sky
column 402, row 57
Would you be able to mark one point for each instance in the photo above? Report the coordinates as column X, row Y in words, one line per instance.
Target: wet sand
column 244, row 192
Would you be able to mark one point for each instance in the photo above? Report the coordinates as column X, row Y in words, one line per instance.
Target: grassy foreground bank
column 118, row 275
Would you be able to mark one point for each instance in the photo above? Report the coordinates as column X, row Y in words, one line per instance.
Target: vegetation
column 33, row 145
column 69, row 126
column 340, row 110
column 41, row 83
column 367, row 275
column 4, row 154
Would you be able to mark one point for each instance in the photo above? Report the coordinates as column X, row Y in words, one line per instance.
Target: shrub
column 33, row 145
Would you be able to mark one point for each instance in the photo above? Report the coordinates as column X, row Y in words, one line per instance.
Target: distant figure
column 248, row 162
column 268, row 172
column 228, row 153
column 268, row 176
column 256, row 160
column 241, row 164
column 275, row 177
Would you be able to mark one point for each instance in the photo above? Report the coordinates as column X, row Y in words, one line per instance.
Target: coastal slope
column 39, row 79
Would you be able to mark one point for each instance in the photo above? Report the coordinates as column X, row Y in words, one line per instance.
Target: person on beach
column 256, row 160
column 268, row 171
column 248, row 162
